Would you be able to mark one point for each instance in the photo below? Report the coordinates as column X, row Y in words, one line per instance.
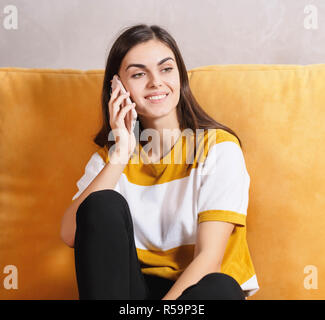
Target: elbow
column 67, row 238
column 67, row 231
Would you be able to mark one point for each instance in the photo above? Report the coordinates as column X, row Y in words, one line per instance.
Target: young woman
column 154, row 229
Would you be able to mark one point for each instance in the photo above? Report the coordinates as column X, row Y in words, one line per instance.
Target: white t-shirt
column 168, row 200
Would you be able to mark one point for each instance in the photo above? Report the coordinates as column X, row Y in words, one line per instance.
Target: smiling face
column 150, row 70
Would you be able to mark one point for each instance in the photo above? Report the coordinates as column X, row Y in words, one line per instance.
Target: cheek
column 135, row 94
column 177, row 97
column 175, row 84
column 138, row 98
column 176, row 89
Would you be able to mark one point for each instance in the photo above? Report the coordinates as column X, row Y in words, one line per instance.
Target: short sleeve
column 224, row 187
column 92, row 169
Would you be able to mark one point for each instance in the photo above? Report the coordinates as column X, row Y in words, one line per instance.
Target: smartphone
column 117, row 82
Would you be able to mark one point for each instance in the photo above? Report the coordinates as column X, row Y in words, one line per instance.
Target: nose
column 154, row 81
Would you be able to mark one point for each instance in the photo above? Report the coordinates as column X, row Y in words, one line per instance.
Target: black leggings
column 106, row 261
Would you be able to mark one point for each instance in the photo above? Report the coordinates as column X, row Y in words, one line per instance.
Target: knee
column 219, row 277
column 220, row 282
column 101, row 207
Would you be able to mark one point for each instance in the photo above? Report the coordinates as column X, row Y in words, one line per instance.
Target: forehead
column 148, row 53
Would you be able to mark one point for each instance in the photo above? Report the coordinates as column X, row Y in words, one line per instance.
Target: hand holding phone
column 117, row 82
column 122, row 120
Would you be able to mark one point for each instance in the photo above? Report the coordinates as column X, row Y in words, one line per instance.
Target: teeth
column 157, row 97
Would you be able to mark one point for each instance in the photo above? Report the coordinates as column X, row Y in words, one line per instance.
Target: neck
column 162, row 142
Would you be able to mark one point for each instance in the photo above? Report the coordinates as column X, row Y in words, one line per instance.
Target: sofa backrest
column 48, row 119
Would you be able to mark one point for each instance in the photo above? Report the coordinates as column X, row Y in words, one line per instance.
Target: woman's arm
column 212, row 239
column 106, row 179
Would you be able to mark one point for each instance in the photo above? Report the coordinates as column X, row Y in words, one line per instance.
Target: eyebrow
column 138, row 65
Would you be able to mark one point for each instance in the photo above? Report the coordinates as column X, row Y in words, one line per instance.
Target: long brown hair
column 189, row 112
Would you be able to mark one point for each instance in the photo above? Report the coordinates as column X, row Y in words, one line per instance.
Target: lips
column 156, row 94
column 161, row 99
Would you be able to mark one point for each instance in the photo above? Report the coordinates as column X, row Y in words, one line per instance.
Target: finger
column 127, row 121
column 114, row 94
column 129, row 117
column 115, row 104
column 112, row 98
column 118, row 103
column 124, row 110
column 120, row 98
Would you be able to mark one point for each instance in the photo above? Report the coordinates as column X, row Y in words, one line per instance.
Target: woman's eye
column 135, row 75
column 138, row 74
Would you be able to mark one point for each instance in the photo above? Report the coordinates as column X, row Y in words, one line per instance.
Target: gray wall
column 77, row 34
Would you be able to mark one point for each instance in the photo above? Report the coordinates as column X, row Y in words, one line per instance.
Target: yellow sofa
column 48, row 119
